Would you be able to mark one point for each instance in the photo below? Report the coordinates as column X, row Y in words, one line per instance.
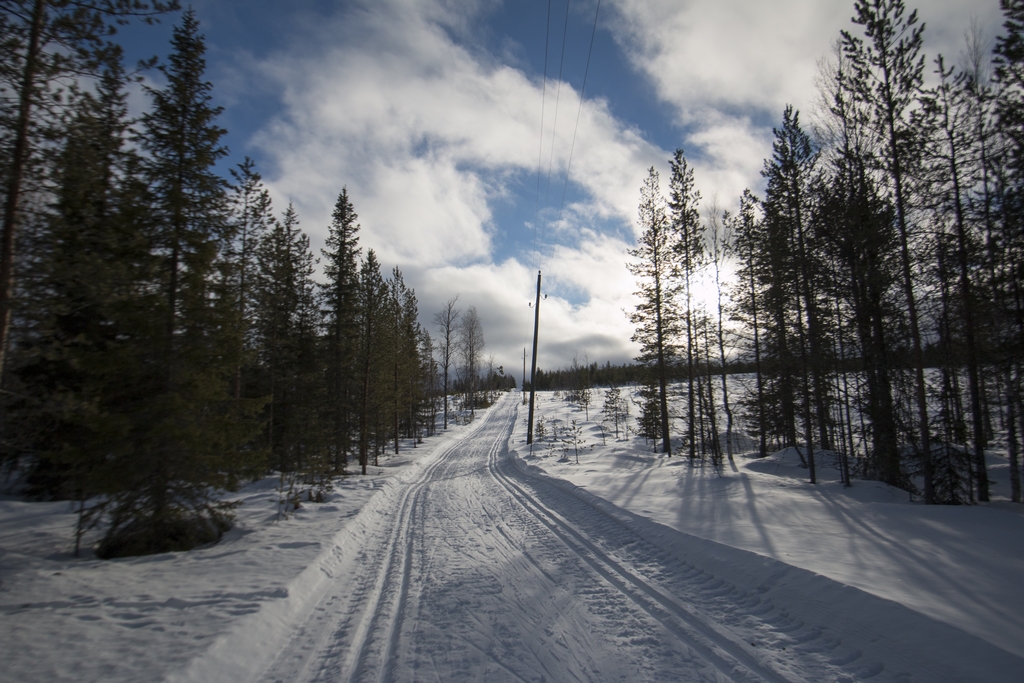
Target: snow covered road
column 479, row 570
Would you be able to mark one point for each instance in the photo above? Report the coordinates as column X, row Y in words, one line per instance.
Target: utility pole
column 533, row 368
column 524, row 375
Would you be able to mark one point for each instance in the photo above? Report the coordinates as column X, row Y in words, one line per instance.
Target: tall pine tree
column 656, row 316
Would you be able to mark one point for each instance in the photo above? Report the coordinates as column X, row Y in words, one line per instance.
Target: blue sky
column 429, row 111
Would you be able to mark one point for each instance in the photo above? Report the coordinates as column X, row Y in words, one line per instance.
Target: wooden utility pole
column 533, row 368
column 524, row 375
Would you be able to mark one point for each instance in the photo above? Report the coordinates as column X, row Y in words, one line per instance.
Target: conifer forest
column 166, row 337
column 877, row 292
column 164, row 332
column 766, row 435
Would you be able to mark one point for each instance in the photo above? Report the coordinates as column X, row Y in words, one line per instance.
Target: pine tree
column 786, row 207
column 720, row 231
column 746, row 295
column 471, row 348
column 1004, row 222
column 887, row 74
column 446, row 321
column 858, row 229
column 1009, row 78
column 656, row 316
column 944, row 120
column 690, row 257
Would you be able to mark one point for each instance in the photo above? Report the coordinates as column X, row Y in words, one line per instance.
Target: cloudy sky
column 454, row 147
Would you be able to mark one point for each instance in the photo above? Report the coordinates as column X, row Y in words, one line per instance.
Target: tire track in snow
column 371, row 652
column 387, row 617
column 374, row 651
column 361, row 610
column 469, row 568
column 724, row 652
column 794, row 634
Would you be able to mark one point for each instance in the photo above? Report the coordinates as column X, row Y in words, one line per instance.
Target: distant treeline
column 595, row 375
column 608, row 375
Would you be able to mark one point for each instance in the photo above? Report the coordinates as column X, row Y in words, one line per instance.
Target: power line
column 558, row 91
column 536, row 218
column 543, row 96
column 572, row 147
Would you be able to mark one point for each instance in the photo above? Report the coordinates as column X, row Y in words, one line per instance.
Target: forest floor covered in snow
column 862, row 570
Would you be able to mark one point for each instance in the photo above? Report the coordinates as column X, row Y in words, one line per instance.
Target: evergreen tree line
column 606, row 375
column 877, row 292
column 167, row 338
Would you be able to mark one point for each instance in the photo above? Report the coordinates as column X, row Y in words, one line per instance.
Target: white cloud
column 427, row 134
column 732, row 153
column 392, row 103
column 706, row 56
column 503, row 293
column 728, row 66
column 429, row 131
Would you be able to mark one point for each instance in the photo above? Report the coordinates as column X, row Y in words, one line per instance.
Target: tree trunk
column 19, row 159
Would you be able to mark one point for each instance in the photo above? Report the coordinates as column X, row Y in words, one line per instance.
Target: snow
column 961, row 565
column 68, row 619
column 469, row 558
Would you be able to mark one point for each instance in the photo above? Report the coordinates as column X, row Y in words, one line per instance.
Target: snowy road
column 478, row 571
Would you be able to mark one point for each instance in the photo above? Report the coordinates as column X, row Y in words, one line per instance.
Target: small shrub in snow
column 573, row 442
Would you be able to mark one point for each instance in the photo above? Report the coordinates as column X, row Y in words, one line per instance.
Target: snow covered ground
column 470, row 559
column 68, row 619
column 961, row 566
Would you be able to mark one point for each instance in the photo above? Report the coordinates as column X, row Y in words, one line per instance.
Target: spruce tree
column 192, row 435
column 409, row 385
column 372, row 311
column 284, row 267
column 287, row 328
column 429, row 377
column 80, row 362
column 251, row 215
column 45, row 42
column 340, row 299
